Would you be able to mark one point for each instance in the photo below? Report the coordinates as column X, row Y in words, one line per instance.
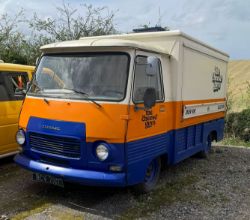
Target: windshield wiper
column 34, row 83
column 86, row 95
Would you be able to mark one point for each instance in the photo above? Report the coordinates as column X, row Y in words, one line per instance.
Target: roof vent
column 150, row 29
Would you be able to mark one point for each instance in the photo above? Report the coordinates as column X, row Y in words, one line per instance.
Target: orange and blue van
column 111, row 110
column 13, row 80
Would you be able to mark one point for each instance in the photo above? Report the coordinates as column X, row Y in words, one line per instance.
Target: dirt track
column 218, row 188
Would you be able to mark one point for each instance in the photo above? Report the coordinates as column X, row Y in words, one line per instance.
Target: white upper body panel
column 161, row 42
column 194, row 70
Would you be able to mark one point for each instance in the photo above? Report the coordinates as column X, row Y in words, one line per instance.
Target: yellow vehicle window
column 12, row 84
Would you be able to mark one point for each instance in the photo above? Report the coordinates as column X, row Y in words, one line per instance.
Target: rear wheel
column 205, row 153
column 151, row 177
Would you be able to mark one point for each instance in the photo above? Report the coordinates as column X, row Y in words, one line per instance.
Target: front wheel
column 151, row 177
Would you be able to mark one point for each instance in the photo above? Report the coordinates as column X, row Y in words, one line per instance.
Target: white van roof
column 87, row 43
column 161, row 42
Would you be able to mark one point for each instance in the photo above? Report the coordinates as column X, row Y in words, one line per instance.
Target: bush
column 238, row 125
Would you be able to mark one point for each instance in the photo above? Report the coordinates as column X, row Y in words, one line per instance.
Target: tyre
column 151, row 177
column 205, row 153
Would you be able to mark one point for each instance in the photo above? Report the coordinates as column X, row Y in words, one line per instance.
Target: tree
column 23, row 47
column 12, row 40
column 71, row 24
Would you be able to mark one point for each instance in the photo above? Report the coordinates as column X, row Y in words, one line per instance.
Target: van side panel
column 204, row 76
column 176, row 145
column 192, row 139
column 195, row 108
column 178, row 141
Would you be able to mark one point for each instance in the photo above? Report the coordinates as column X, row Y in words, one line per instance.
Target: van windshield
column 96, row 76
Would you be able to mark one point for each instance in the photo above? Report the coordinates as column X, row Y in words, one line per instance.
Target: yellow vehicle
column 13, row 81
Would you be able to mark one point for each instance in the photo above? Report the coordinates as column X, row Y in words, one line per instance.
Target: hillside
column 239, row 83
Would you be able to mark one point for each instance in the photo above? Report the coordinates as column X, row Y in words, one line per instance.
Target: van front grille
column 60, row 146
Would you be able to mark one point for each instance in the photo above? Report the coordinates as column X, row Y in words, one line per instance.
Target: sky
column 223, row 24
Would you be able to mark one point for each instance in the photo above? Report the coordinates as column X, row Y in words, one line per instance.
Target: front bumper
column 85, row 177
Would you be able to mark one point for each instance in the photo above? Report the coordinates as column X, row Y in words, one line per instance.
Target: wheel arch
column 213, row 135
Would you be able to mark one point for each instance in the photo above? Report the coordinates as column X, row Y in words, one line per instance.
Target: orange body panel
column 104, row 123
column 109, row 123
column 169, row 117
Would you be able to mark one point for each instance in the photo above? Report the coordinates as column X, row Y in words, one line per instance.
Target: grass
column 238, row 96
column 57, row 214
column 42, row 207
column 239, row 79
column 234, row 141
column 37, row 207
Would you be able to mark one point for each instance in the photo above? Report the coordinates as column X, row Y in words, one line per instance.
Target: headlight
column 102, row 152
column 20, row 137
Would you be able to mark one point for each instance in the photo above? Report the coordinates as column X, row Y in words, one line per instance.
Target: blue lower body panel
column 175, row 145
column 85, row 177
column 140, row 153
column 79, row 163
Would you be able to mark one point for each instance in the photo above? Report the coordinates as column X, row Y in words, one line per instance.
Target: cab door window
column 4, row 93
column 147, row 75
column 12, row 84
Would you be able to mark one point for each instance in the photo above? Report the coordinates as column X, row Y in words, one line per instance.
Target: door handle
column 162, row 108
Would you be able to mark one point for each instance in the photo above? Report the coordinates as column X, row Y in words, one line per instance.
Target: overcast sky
column 224, row 24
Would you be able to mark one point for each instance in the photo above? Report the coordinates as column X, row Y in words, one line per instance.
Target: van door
column 146, row 128
column 11, row 98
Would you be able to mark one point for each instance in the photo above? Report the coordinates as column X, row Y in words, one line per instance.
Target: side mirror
column 149, row 98
column 150, row 70
column 152, row 65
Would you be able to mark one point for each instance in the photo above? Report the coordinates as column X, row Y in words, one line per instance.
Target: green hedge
column 238, row 125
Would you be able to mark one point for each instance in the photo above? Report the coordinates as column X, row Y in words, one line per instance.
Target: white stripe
column 194, row 110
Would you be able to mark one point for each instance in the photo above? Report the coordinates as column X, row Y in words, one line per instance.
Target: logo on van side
column 149, row 119
column 50, row 127
column 217, row 79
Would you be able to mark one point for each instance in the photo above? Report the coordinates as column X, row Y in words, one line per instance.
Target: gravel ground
column 214, row 188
